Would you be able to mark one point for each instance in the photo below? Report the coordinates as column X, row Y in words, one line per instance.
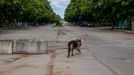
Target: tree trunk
column 132, row 25
column 113, row 26
column 113, row 23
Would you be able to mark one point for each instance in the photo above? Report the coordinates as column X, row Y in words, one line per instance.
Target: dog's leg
column 68, row 53
column 72, row 52
column 79, row 50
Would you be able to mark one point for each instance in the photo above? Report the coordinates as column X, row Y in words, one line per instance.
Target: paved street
column 104, row 52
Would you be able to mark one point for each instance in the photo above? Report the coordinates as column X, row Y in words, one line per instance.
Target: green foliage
column 58, row 21
column 78, row 11
column 58, row 24
column 13, row 11
column 1, row 1
column 99, row 10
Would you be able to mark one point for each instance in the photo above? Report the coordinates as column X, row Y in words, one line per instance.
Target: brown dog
column 74, row 44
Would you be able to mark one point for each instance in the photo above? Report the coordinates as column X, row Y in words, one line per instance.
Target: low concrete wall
column 23, row 46
column 30, row 46
column 6, row 46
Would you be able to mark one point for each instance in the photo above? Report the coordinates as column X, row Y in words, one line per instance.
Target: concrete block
column 30, row 46
column 6, row 46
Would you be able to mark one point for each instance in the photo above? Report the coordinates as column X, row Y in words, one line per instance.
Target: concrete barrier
column 6, row 46
column 30, row 46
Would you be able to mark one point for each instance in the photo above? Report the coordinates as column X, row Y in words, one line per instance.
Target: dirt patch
column 11, row 60
column 50, row 65
column 65, row 72
column 25, row 65
column 17, row 67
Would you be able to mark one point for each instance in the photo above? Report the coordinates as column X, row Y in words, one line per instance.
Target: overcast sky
column 59, row 6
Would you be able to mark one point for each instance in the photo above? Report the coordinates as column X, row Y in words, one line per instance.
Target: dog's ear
column 80, row 39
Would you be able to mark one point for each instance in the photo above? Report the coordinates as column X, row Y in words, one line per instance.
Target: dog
column 74, row 45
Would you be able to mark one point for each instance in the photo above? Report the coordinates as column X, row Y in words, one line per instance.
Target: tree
column 13, row 11
column 78, row 11
column 110, row 11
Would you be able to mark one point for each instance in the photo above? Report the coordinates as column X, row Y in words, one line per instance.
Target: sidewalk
column 129, row 32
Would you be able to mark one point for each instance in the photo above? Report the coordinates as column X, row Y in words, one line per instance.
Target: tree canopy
column 26, row 11
column 99, row 10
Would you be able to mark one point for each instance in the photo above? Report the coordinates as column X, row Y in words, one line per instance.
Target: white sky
column 59, row 6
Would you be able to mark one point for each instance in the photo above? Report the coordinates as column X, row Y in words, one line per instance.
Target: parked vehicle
column 86, row 24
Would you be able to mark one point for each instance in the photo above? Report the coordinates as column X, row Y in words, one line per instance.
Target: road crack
column 104, row 64
column 51, row 64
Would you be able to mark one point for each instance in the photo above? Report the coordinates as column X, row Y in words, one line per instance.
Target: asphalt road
column 114, row 50
column 104, row 52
